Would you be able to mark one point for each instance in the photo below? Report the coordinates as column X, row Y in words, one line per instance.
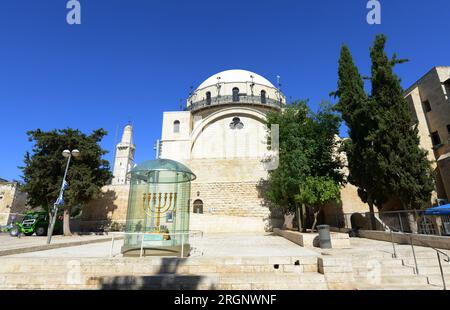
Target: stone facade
column 108, row 210
column 12, row 201
column 222, row 138
column 429, row 101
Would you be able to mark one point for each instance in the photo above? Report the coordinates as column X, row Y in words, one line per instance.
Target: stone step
column 40, row 278
column 437, row 280
column 381, row 262
column 432, row 270
column 425, row 287
column 229, row 281
column 233, row 286
column 26, row 286
column 406, row 280
column 422, row 261
column 147, row 269
column 420, row 255
column 158, row 261
column 401, row 270
column 222, row 278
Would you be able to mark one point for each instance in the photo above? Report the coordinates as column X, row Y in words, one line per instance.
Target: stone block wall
column 231, row 198
column 12, row 201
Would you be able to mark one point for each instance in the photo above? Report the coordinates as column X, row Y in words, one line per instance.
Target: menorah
column 154, row 206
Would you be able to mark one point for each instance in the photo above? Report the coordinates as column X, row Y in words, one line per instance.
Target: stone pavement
column 13, row 245
column 211, row 245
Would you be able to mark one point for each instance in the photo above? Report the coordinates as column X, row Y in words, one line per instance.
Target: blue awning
column 441, row 210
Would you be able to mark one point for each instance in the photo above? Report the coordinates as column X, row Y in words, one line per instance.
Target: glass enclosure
column 158, row 209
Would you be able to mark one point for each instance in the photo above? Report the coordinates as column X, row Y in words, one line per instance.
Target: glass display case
column 158, row 209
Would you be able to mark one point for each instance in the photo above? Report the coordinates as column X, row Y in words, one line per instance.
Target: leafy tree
column 317, row 192
column 44, row 169
column 307, row 143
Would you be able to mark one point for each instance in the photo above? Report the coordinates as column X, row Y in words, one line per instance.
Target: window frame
column 236, row 96
column 427, row 106
column 208, row 98
column 435, row 135
column 176, row 126
column 263, row 97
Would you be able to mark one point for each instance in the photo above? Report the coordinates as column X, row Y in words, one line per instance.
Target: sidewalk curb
column 46, row 247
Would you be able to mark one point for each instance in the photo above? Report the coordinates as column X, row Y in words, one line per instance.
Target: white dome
column 231, row 76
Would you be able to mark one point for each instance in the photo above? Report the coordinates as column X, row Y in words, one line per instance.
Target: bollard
column 324, row 236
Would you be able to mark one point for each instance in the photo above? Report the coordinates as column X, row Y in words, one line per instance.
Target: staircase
column 233, row 273
column 382, row 271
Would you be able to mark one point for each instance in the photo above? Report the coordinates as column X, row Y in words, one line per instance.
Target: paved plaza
column 213, row 245
column 14, row 243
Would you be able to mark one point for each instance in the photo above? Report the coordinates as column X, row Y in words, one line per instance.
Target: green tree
column 360, row 114
column 408, row 171
column 44, row 169
column 384, row 139
column 306, row 149
column 315, row 192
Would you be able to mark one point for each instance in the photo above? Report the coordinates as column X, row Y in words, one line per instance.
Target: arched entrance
column 198, row 207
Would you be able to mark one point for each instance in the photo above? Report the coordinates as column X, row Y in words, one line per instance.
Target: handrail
column 227, row 99
column 439, row 252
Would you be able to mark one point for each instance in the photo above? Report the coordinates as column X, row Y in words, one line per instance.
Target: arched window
column 198, row 206
column 236, row 123
column 235, row 94
column 208, row 98
column 263, row 97
column 176, row 126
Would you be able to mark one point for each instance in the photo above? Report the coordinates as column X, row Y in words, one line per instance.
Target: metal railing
column 415, row 221
column 183, row 236
column 242, row 99
column 416, row 265
column 407, row 223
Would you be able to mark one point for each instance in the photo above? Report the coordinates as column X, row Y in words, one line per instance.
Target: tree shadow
column 168, row 277
column 275, row 218
column 95, row 216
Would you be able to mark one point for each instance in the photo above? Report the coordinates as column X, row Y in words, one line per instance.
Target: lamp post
column 67, row 154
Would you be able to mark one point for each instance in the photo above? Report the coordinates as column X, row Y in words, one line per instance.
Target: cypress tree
column 359, row 113
column 385, row 160
column 408, row 171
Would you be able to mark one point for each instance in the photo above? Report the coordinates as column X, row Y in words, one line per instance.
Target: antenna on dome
column 278, row 82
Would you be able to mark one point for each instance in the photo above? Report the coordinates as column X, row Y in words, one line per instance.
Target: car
column 36, row 222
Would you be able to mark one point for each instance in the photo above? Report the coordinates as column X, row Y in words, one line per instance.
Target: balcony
column 228, row 100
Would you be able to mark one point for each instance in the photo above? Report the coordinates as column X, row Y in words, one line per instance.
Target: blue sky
column 130, row 60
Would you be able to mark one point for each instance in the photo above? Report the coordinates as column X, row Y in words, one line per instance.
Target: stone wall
column 12, row 201
column 231, row 198
column 106, row 210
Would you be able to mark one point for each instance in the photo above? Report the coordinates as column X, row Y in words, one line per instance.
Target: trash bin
column 324, row 236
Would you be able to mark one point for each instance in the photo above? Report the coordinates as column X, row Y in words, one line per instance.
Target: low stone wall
column 439, row 242
column 227, row 224
column 338, row 240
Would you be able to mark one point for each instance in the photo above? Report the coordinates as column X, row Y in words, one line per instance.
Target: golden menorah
column 156, row 204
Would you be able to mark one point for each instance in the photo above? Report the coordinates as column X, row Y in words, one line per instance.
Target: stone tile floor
column 214, row 245
column 8, row 243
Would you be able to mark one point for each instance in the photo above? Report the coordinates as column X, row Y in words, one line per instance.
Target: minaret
column 124, row 159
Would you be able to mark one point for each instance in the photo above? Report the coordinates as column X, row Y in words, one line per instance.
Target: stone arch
column 229, row 112
column 197, row 206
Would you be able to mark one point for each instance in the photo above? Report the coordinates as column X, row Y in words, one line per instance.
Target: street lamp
column 67, row 154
